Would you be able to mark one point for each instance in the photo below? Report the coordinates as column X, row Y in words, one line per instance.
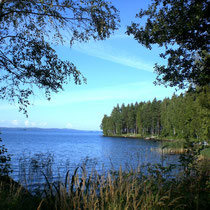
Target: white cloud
column 43, row 124
column 107, row 52
column 69, row 125
column 130, row 91
column 26, row 123
column 15, row 122
column 126, row 91
column 33, row 124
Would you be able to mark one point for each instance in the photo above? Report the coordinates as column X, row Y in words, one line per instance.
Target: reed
column 146, row 187
column 126, row 190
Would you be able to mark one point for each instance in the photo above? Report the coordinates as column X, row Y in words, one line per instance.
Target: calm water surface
column 71, row 148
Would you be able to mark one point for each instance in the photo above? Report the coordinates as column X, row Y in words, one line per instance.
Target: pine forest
column 178, row 117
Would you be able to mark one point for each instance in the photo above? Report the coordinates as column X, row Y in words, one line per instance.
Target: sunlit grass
column 147, row 187
column 206, row 153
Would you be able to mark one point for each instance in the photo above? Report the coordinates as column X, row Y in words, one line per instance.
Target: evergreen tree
column 131, row 119
column 184, row 116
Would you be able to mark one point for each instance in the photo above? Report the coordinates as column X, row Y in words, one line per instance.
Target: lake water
column 71, row 148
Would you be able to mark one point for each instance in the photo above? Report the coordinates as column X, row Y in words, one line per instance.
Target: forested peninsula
column 178, row 117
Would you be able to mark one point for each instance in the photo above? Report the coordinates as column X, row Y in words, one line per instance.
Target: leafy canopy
column 28, row 32
column 182, row 27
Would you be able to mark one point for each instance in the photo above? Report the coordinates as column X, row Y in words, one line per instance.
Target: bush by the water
column 5, row 158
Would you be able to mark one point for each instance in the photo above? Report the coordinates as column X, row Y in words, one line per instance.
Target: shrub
column 5, row 167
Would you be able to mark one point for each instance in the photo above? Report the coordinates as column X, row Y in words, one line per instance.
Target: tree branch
column 43, row 14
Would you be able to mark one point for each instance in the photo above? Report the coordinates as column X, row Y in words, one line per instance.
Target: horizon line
column 48, row 128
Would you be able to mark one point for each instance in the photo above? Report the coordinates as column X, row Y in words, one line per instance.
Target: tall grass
column 179, row 147
column 130, row 189
column 145, row 187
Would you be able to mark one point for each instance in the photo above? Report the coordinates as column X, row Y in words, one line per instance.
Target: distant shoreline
column 40, row 128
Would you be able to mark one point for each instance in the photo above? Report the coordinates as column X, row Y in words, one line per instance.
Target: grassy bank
column 146, row 137
column 136, row 136
column 182, row 146
column 114, row 190
column 170, row 145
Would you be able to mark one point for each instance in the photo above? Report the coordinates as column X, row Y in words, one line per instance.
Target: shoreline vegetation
column 172, row 121
column 185, row 185
column 138, row 136
column 29, row 61
column 169, row 145
column 121, row 189
column 180, row 117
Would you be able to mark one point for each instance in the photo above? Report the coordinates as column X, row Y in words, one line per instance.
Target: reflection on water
column 67, row 149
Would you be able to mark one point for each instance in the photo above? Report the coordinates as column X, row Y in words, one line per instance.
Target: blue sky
column 118, row 70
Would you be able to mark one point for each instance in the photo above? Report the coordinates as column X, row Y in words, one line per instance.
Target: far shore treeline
column 178, row 117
